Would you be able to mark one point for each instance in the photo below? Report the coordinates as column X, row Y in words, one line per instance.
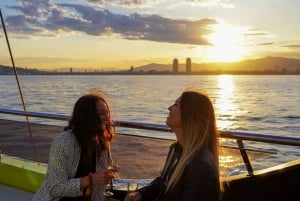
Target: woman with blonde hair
column 191, row 171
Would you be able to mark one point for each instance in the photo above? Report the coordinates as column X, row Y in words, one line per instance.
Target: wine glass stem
column 111, row 185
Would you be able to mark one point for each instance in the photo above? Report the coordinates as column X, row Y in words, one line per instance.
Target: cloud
column 125, row 3
column 292, row 46
column 256, row 34
column 212, row 3
column 42, row 17
column 146, row 3
column 268, row 43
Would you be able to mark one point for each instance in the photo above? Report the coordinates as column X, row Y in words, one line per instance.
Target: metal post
column 245, row 157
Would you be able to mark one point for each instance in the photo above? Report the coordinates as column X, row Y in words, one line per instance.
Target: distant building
column 175, row 65
column 131, row 69
column 188, row 67
column 71, row 70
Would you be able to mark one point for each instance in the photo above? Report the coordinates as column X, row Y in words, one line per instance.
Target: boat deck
column 12, row 194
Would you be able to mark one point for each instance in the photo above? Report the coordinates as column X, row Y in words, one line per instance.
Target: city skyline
column 115, row 34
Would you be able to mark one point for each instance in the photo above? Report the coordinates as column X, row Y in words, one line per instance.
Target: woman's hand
column 134, row 196
column 102, row 177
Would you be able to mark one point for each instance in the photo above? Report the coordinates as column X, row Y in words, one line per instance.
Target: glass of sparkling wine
column 112, row 165
column 132, row 186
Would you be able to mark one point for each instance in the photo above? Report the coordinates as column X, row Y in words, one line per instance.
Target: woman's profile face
column 174, row 118
column 102, row 112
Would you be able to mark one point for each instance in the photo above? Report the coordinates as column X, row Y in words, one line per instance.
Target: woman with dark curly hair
column 77, row 166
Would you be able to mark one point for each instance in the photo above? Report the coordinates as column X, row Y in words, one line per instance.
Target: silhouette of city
column 267, row 65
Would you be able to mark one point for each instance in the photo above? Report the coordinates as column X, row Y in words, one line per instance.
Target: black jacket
column 199, row 181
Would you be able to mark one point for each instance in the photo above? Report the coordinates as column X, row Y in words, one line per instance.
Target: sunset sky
column 117, row 34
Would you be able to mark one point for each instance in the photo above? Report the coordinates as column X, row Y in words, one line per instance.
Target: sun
column 227, row 43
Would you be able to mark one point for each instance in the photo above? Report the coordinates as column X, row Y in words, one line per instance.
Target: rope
column 20, row 91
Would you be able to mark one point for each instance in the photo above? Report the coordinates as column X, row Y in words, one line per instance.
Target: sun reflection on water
column 226, row 109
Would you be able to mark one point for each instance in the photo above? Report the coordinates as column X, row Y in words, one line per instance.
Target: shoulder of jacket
column 65, row 137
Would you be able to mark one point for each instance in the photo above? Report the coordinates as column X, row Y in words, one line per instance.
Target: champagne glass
column 112, row 165
column 132, row 186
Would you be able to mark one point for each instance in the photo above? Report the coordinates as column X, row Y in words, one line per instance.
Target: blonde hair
column 199, row 130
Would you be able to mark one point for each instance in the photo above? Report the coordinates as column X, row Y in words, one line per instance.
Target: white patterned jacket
column 64, row 157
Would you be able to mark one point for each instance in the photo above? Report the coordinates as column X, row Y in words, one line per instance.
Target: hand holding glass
column 113, row 165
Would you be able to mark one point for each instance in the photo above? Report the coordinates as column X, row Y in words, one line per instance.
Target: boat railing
column 267, row 138
column 234, row 135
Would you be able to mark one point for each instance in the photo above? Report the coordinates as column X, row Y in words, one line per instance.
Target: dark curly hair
column 86, row 124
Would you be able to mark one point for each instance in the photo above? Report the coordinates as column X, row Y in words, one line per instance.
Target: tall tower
column 175, row 65
column 188, row 67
